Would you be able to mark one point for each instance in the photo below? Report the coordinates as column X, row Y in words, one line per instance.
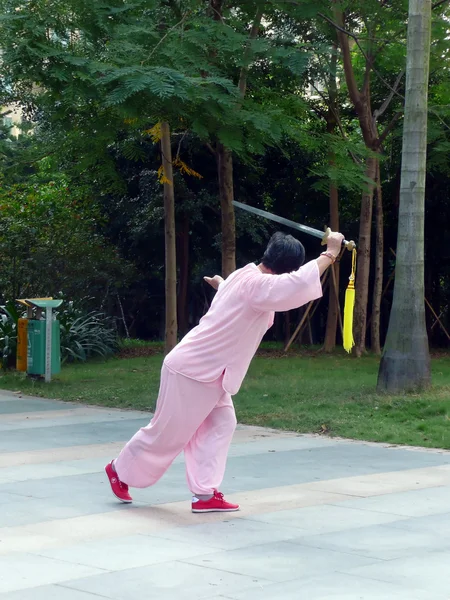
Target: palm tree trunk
column 405, row 364
column 170, row 242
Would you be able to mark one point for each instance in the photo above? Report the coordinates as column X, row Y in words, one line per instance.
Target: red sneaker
column 215, row 504
column 119, row 489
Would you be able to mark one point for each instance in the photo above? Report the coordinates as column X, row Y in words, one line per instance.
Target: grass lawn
column 332, row 395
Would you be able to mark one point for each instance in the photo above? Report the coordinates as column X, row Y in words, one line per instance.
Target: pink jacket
column 227, row 337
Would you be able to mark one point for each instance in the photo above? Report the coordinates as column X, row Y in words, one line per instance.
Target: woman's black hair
column 283, row 254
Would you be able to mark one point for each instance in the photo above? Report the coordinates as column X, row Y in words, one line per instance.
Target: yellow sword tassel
column 349, row 306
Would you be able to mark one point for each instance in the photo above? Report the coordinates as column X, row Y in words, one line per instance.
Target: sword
column 293, row 225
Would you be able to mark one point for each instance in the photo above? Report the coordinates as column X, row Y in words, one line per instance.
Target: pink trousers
column 196, row 417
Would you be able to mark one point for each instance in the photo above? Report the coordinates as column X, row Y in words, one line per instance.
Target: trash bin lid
column 43, row 303
column 27, row 302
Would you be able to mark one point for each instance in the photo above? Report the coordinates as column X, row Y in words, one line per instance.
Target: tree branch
column 348, row 66
column 337, row 119
column 211, row 149
column 175, row 8
column 439, row 3
column 403, row 29
column 433, row 112
column 319, row 112
column 342, row 32
column 253, row 33
column 380, row 111
column 389, row 127
column 164, row 37
column 29, row 162
column 180, row 142
column 367, row 71
column 369, row 62
column 340, row 28
column 216, row 7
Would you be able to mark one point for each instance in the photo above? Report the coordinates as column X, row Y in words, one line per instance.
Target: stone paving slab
column 378, row 541
column 321, row 518
column 281, row 561
column 415, row 503
column 314, row 520
column 336, row 586
column 425, row 571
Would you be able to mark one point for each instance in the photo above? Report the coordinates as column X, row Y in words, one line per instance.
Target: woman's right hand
column 334, row 243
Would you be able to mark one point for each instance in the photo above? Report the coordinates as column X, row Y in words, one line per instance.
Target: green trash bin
column 44, row 346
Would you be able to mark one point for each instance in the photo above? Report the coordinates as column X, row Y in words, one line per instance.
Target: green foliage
column 148, row 62
column 84, row 336
column 9, row 317
column 49, row 243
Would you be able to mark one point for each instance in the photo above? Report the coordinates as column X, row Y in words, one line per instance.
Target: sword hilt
column 349, row 245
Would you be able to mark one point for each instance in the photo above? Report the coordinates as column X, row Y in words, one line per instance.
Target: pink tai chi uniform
column 194, row 410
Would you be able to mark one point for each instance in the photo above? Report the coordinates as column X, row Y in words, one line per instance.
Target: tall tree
column 223, row 153
column 379, row 258
column 405, row 364
column 169, row 236
column 332, row 122
column 367, row 21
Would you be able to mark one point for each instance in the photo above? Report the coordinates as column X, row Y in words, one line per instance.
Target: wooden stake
column 305, row 315
column 386, row 287
column 336, row 291
column 310, row 329
column 438, row 320
column 310, row 316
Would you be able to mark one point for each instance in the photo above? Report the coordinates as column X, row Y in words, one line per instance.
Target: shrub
column 8, row 335
column 86, row 335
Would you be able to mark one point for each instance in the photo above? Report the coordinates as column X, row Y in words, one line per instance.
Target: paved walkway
column 321, row 519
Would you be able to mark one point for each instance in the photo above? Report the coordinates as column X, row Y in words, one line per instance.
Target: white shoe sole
column 211, row 510
column 114, row 494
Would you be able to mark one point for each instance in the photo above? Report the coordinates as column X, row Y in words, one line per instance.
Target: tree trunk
column 333, row 301
column 225, row 157
column 170, row 241
column 333, row 307
column 226, row 193
column 224, row 160
column 363, row 270
column 183, row 287
column 379, row 253
column 405, row 364
column 362, row 102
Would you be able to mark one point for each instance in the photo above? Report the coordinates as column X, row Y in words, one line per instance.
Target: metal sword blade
column 267, row 215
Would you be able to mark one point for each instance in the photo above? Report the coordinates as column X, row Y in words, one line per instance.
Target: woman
column 194, row 410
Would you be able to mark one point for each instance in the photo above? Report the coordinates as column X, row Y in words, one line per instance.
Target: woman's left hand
column 214, row 282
